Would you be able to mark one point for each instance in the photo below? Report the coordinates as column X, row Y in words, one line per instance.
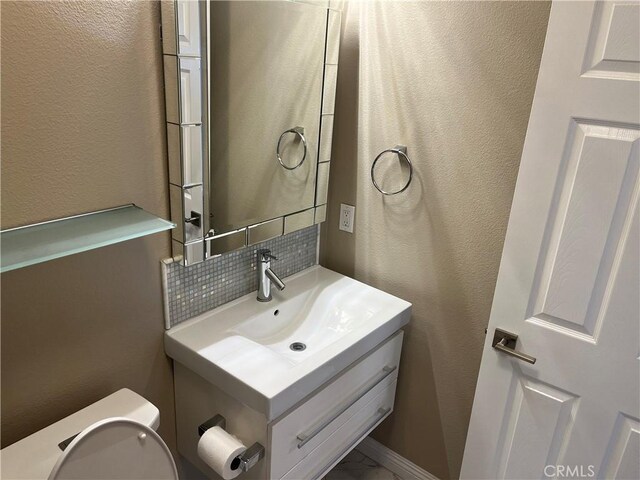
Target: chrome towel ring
column 300, row 132
column 400, row 150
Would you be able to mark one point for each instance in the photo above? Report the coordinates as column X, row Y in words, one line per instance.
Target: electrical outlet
column 347, row 214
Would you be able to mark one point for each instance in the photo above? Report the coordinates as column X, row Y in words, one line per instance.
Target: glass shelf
column 24, row 246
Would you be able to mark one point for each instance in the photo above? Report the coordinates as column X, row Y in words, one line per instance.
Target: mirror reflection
column 266, row 63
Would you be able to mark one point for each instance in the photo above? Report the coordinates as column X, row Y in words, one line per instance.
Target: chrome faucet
column 266, row 276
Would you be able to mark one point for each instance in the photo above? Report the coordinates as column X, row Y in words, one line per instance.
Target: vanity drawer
column 294, row 436
column 347, row 436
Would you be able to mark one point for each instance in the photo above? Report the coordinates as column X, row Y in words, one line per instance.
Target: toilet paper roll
column 219, row 450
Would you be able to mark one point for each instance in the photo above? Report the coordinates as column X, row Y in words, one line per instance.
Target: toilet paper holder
column 245, row 461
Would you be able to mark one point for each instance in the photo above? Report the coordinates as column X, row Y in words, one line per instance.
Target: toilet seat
column 116, row 448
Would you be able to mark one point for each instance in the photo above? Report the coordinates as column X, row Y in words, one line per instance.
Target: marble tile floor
column 356, row 466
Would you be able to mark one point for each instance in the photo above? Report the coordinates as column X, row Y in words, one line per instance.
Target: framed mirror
column 250, row 91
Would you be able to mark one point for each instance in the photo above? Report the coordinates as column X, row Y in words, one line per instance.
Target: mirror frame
column 185, row 46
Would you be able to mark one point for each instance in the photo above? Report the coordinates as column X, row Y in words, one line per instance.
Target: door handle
column 506, row 343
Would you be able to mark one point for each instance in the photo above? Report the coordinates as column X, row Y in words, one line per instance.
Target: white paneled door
column 569, row 281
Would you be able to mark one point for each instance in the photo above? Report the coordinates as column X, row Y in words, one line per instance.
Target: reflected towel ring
column 399, row 150
column 300, row 132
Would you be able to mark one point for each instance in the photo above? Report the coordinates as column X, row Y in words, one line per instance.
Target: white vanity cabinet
column 312, row 436
column 306, row 375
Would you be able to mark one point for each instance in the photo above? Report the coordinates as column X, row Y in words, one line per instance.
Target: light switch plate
column 347, row 215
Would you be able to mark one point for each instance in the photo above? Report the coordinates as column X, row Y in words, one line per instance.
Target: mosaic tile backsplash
column 190, row 291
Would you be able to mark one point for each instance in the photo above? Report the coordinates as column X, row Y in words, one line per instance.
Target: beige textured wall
column 454, row 82
column 82, row 129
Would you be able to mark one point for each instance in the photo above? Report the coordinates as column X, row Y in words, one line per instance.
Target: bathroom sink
column 271, row 355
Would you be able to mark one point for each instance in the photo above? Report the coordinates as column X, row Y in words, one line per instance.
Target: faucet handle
column 265, row 254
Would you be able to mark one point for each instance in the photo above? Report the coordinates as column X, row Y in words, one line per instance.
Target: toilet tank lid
column 34, row 456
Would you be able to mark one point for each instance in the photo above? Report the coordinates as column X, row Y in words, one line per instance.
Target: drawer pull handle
column 304, row 438
column 381, row 413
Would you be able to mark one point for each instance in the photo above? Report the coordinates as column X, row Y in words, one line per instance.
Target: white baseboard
column 392, row 461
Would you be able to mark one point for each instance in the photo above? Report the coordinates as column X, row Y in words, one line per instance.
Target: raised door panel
column 613, row 49
column 593, row 196
column 190, row 91
column 188, row 27
column 621, row 459
column 537, row 424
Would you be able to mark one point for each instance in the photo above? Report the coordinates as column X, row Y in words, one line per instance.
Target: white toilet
column 113, row 438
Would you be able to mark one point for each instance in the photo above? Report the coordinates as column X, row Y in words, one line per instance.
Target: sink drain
column 297, row 346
